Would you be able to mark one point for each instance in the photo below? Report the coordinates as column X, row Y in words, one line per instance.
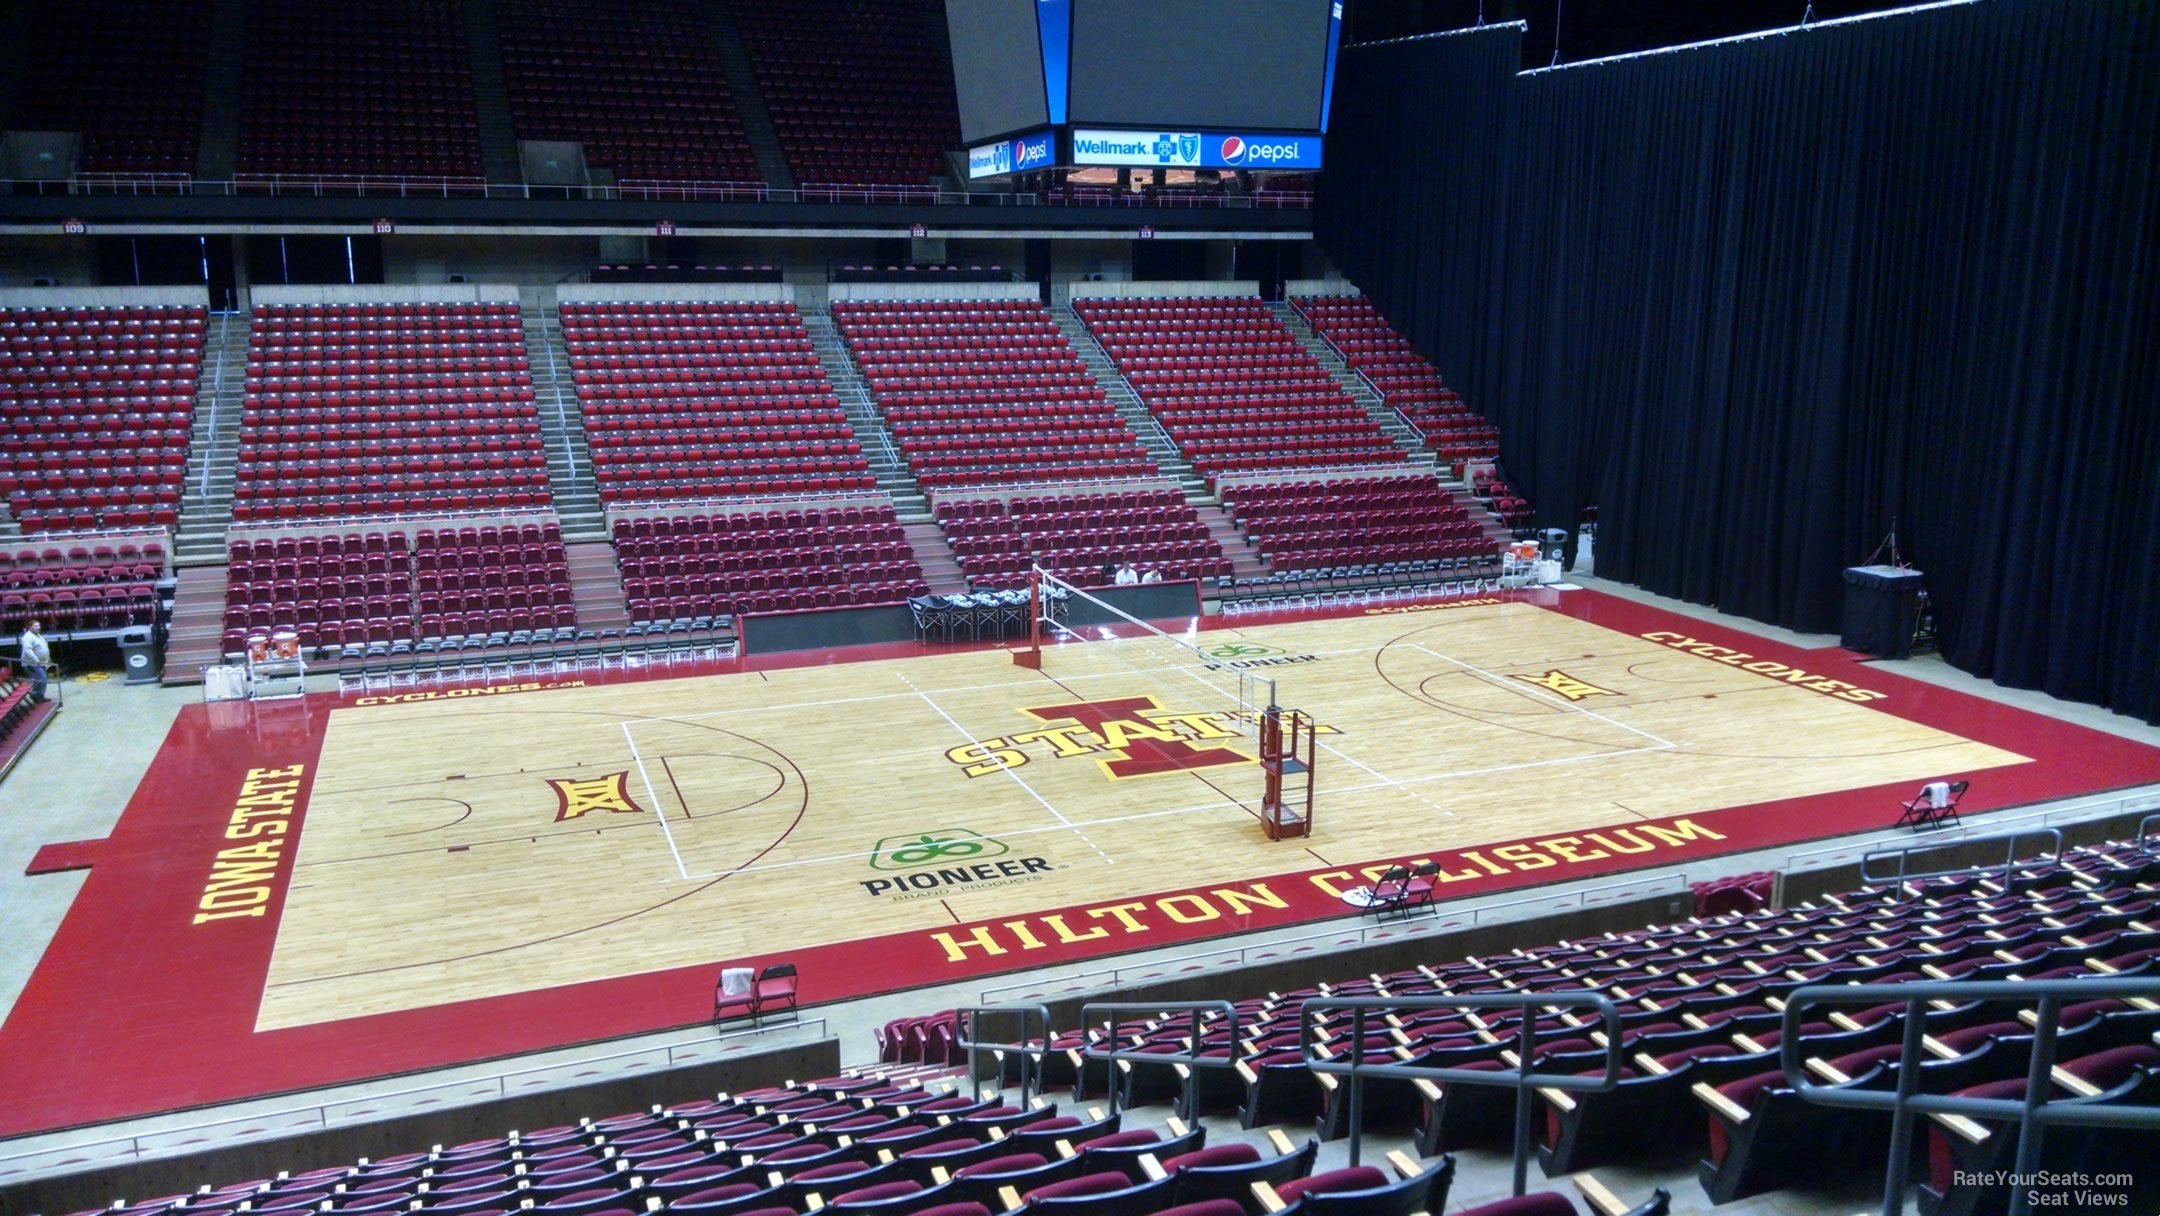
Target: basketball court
column 349, row 886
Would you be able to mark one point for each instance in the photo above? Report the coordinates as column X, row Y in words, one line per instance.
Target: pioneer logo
column 923, row 863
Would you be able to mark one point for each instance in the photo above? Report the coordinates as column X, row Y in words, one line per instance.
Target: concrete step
column 214, row 435
column 941, row 570
column 1245, row 561
column 198, row 624
column 871, row 431
column 595, row 584
column 562, row 425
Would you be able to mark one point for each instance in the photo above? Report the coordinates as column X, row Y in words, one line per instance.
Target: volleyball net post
column 1030, row 654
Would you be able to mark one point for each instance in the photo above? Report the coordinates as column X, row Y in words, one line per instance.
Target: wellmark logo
column 1127, row 736
column 609, row 793
column 923, row 862
column 1567, row 686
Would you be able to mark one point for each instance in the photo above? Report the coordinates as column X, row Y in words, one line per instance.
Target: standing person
column 37, row 656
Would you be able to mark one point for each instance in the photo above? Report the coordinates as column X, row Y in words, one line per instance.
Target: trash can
column 138, row 650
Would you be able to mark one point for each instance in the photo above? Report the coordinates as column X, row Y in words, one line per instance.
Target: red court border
column 134, row 1009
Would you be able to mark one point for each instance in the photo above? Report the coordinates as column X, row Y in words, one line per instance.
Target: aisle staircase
column 206, row 501
column 217, row 147
column 1405, row 436
column 749, row 99
column 491, row 94
column 1160, row 448
column 941, row 569
column 198, row 624
column 596, row 586
column 562, row 427
column 876, row 438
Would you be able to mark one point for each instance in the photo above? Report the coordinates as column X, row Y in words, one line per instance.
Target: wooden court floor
column 462, row 849
column 313, row 891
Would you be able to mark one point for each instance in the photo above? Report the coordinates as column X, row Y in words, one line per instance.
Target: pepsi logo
column 1233, row 149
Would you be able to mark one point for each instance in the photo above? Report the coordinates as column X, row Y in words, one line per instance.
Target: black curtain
column 1757, row 301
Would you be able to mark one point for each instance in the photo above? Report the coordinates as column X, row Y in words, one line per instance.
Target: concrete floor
column 75, row 781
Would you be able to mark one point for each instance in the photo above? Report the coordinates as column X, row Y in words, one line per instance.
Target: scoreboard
column 1197, row 84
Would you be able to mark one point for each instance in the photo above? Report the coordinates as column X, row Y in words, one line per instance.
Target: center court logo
column 924, row 863
column 1126, row 736
column 574, row 798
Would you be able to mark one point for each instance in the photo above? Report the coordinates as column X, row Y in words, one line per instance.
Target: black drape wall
column 1757, row 300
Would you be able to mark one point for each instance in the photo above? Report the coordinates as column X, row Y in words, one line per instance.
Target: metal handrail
column 1905, row 853
column 2034, row 1112
column 1030, row 1048
column 2145, row 828
column 1522, row 1077
column 2076, row 811
column 1191, row 1058
column 640, row 189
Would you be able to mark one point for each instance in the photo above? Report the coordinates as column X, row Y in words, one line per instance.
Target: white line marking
column 954, row 688
column 1514, row 685
column 659, row 811
column 1009, row 771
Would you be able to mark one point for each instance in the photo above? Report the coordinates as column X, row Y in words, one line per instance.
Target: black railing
column 1030, row 1044
column 2034, row 1112
column 1904, row 855
column 413, row 185
column 1191, row 1058
column 1525, row 1081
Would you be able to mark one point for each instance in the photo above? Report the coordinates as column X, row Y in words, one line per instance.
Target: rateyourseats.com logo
column 925, row 864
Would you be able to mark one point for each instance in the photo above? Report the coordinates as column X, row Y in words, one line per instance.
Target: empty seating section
column 860, row 91
column 639, row 85
column 983, row 392
column 127, row 76
column 379, row 87
column 1701, row 1013
column 95, row 406
column 475, row 580
column 1075, row 535
column 380, row 409
column 705, row 566
column 1401, row 376
column 904, row 1145
column 1235, row 390
column 1350, row 521
column 359, row 593
column 108, row 583
column 348, row 588
column 705, row 400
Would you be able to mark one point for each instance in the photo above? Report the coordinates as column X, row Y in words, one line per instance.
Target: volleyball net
column 1189, row 662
